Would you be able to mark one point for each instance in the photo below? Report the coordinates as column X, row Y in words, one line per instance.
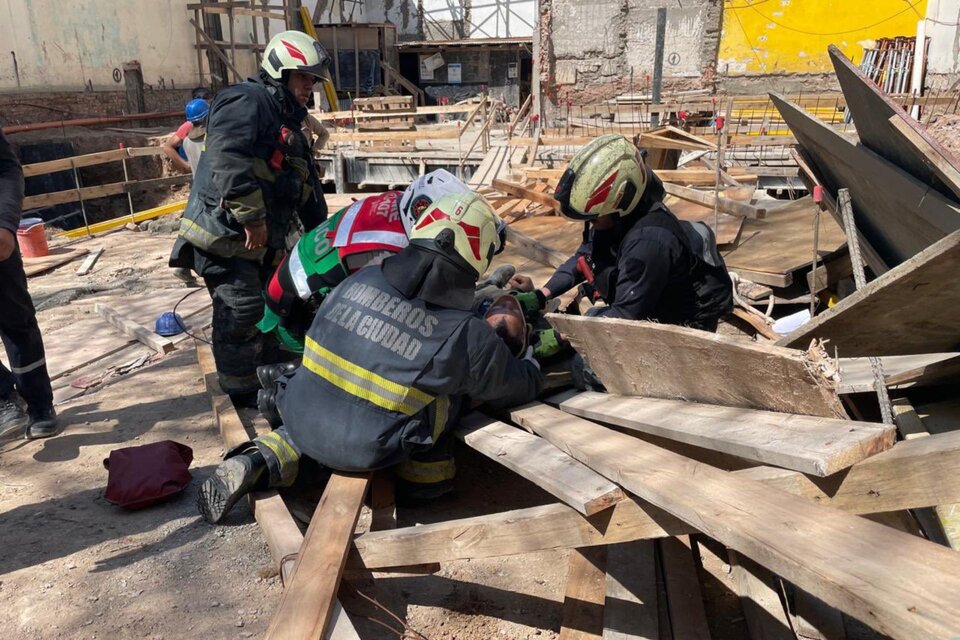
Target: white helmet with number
column 294, row 51
column 605, row 177
column 426, row 190
column 464, row 224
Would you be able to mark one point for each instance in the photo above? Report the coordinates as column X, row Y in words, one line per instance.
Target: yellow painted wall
column 792, row 36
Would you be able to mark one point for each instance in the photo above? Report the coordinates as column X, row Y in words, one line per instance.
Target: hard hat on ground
column 169, row 324
column 294, row 51
column 461, row 225
column 197, row 111
column 426, row 190
column 606, row 177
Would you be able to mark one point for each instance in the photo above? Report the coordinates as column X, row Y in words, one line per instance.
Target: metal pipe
column 87, row 122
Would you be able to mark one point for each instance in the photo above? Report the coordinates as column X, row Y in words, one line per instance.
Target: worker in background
column 393, row 358
column 26, row 399
column 256, row 186
column 636, row 256
column 357, row 236
column 185, row 145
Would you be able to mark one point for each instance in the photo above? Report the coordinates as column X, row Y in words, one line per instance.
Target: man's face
column 603, row 223
column 301, row 86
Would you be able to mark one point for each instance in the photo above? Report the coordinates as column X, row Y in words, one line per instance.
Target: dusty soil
column 946, row 130
column 75, row 566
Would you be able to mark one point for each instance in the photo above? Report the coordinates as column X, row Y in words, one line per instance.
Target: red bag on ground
column 141, row 476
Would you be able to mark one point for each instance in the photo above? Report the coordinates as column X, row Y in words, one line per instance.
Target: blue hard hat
column 197, row 111
column 169, row 324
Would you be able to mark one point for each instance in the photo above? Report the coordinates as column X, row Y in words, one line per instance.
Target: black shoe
column 268, row 374
column 13, row 419
column 233, row 479
column 267, row 404
column 43, row 424
column 247, row 400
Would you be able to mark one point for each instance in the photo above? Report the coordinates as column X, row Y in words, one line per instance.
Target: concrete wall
column 792, row 36
column 68, row 45
column 591, row 51
column 943, row 63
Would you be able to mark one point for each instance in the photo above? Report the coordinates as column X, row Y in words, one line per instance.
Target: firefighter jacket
column 256, row 168
column 383, row 376
column 11, row 187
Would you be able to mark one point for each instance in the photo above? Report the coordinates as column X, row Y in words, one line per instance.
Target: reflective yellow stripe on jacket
column 362, row 383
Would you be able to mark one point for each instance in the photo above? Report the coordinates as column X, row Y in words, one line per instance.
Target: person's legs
column 13, row 418
column 24, row 344
column 237, row 342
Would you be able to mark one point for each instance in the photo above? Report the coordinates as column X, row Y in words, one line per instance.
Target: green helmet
column 607, row 176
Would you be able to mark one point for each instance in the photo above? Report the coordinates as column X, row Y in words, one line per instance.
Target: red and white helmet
column 294, row 51
column 424, row 192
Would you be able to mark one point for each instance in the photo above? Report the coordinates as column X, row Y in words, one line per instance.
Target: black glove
column 583, row 376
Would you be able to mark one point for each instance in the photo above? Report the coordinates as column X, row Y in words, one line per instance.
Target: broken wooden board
column 782, row 243
column 277, row 525
column 727, row 205
column 814, row 445
column 541, row 463
column 915, row 473
column 521, row 191
column 582, row 614
column 913, row 308
column 877, row 117
column 911, row 593
column 307, row 604
column 58, row 256
column 899, row 215
column 653, row 360
column 630, row 610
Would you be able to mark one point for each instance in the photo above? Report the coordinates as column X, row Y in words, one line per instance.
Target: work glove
column 547, row 343
column 583, row 376
column 532, row 302
column 528, row 356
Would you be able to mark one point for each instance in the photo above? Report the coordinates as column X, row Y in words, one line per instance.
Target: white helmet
column 294, row 51
column 426, row 190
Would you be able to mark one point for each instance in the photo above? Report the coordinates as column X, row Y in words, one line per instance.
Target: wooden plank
column 57, row 257
column 913, row 593
column 814, row 445
column 520, row 191
column 582, row 614
column 448, row 133
column 630, row 610
column 541, row 463
column 918, row 473
column 930, row 373
column 732, row 207
column 910, row 309
column 782, row 243
column 728, row 227
column 306, row 607
column 759, row 594
column 133, row 330
column 89, row 262
column 888, row 130
column 697, row 177
column 899, row 215
column 62, row 164
column 100, row 191
column 326, row 116
column 699, row 366
column 688, row 618
column 856, row 374
column 534, row 249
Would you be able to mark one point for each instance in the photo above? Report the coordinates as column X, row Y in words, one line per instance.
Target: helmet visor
column 562, row 194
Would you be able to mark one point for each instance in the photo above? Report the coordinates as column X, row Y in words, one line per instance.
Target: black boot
column 233, row 479
column 267, row 404
column 13, row 419
column 268, row 374
column 43, row 424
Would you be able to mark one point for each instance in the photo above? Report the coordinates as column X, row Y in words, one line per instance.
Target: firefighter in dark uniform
column 255, row 185
column 392, row 360
column 637, row 257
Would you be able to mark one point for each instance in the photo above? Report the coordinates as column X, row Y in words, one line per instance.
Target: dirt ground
column 75, row 566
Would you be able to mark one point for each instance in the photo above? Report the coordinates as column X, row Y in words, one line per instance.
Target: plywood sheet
column 57, row 256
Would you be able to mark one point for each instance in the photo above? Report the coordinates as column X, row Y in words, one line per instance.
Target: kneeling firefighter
column 392, row 359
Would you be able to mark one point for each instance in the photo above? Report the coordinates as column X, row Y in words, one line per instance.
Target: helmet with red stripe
column 294, row 51
column 461, row 225
column 606, row 177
